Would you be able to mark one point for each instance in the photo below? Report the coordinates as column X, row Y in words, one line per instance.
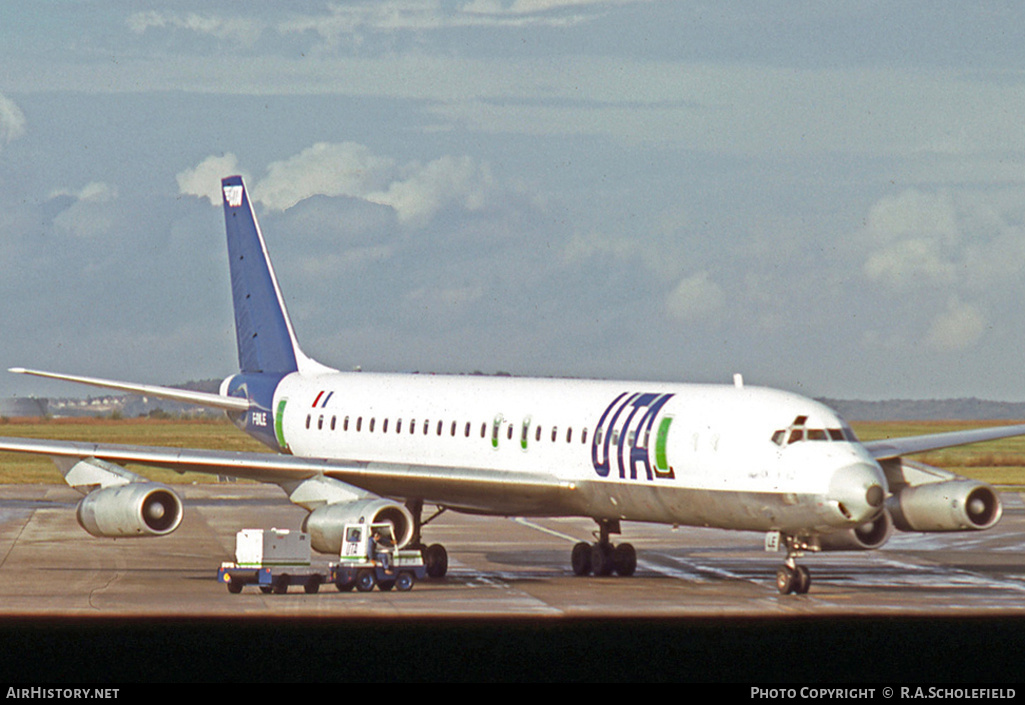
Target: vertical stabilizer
column 266, row 340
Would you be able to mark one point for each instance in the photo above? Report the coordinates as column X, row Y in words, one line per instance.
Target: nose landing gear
column 793, row 578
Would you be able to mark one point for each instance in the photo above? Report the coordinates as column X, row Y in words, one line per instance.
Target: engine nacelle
column 867, row 537
column 326, row 524
column 135, row 509
column 957, row 505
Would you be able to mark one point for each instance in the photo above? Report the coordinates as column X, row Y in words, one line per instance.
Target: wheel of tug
column 436, row 558
column 405, row 581
column 385, row 585
column 601, row 559
column 365, row 580
column 234, row 586
column 802, row 580
column 313, row 585
column 786, row 580
column 346, row 586
column 624, row 559
column 581, row 558
column 280, row 585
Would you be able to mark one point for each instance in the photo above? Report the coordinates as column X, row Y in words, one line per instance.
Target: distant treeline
column 926, row 409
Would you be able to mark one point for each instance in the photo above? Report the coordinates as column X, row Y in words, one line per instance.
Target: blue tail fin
column 266, row 341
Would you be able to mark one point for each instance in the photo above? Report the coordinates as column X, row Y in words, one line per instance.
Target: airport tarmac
column 703, row 605
column 498, row 567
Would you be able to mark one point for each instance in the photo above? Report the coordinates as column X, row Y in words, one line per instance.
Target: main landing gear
column 793, row 578
column 435, row 555
column 601, row 557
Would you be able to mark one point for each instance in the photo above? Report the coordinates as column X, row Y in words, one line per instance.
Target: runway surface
column 499, row 568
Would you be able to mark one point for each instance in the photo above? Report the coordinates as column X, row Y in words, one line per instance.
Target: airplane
column 357, row 445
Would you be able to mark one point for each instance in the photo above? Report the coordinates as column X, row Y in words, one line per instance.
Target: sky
column 826, row 197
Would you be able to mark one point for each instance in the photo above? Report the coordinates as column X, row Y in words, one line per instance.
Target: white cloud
column 12, row 120
column 345, row 169
column 240, row 30
column 695, row 298
column 205, row 179
column 959, row 327
column 92, row 214
column 416, row 192
column 428, row 189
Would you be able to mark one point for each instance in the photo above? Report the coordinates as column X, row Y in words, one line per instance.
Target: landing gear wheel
column 404, row 582
column 365, row 580
column 436, row 558
column 802, row 580
column 313, row 586
column 601, row 559
column 581, row 558
column 624, row 559
column 786, row 579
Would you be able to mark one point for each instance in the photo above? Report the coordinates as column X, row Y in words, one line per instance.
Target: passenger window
column 597, row 436
column 555, row 433
column 398, row 426
column 320, row 423
column 426, row 426
column 308, row 417
column 537, row 434
column 569, row 434
column 372, row 420
column 384, row 426
column 345, row 424
column 467, row 431
column 484, row 430
column 359, row 423
column 333, row 419
column 583, row 437
column 453, row 431
column 440, row 424
column 510, row 432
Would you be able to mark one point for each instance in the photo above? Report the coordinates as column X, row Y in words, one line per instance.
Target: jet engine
column 326, row 524
column 867, row 537
column 956, row 505
column 134, row 509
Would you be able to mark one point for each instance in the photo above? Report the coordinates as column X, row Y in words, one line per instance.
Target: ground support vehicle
column 273, row 560
column 369, row 558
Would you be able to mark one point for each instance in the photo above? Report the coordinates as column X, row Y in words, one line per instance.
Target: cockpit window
column 796, row 432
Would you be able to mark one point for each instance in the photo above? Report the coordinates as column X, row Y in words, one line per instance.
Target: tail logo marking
column 233, row 195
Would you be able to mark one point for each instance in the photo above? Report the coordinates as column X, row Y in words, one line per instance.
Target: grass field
column 998, row 462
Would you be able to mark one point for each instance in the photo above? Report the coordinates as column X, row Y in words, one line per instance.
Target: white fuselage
column 728, row 456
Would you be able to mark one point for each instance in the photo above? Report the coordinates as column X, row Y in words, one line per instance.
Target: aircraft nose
column 858, row 490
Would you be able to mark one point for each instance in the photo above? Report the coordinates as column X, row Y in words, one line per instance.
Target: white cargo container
column 255, row 548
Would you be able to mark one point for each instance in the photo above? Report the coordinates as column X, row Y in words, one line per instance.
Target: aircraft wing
column 466, row 488
column 216, row 401
column 896, row 447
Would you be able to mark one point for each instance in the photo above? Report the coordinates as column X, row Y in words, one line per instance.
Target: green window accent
column 279, row 417
column 494, row 431
column 660, row 443
column 524, row 433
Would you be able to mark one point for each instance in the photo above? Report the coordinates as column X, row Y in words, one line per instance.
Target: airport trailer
column 276, row 560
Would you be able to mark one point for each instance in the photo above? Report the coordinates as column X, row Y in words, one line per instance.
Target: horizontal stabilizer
column 216, row 401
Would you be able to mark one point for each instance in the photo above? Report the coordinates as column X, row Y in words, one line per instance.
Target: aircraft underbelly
column 754, row 511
